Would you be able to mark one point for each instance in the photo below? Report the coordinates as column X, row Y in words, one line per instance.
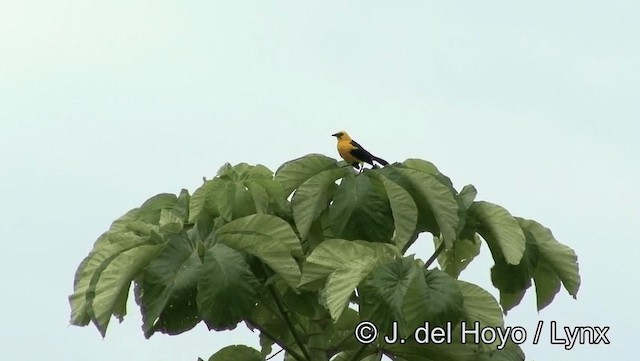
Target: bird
column 353, row 153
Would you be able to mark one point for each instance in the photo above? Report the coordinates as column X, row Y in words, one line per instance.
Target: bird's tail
column 380, row 160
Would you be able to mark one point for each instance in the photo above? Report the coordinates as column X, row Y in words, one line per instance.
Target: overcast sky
column 105, row 104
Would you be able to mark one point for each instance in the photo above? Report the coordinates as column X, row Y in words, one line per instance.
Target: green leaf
column 480, row 305
column 226, row 289
column 501, row 231
column 560, row 258
column 105, row 276
column 346, row 264
column 344, row 326
column 360, row 209
column 467, row 195
column 268, row 320
column 436, row 202
column 466, row 225
column 203, row 199
column 294, row 173
column 434, row 297
column 454, row 351
column 546, row 282
column 278, row 203
column 234, row 201
column 511, row 352
column 455, row 259
column 313, row 197
column 142, row 220
column 260, row 197
column 333, row 254
column 301, row 302
column 404, row 209
column 170, row 221
column 513, row 279
column 243, row 171
column 428, row 167
column 383, row 293
column 267, row 237
column 343, row 281
column 421, row 165
column 167, row 289
column 510, row 300
column 237, row 353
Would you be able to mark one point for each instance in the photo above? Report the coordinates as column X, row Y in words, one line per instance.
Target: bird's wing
column 361, row 153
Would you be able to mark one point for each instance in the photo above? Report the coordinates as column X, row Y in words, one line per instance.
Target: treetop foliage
column 305, row 254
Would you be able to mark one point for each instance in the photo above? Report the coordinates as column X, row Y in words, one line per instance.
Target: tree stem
column 287, row 320
column 435, row 255
column 273, row 338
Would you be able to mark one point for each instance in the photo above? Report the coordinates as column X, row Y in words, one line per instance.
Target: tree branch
column 285, row 316
column 273, row 338
column 287, row 320
column 435, row 255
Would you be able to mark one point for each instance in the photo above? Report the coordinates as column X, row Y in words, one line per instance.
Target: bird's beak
column 335, row 135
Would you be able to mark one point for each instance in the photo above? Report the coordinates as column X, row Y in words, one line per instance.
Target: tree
column 306, row 254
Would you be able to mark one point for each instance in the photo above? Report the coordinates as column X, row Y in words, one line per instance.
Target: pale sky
column 105, row 104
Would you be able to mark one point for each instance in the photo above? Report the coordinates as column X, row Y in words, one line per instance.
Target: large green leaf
column 428, row 167
column 546, row 282
column 170, row 221
column 236, row 192
column 148, row 212
column 436, row 202
column 360, row 209
column 278, row 203
column 513, row 279
column 313, row 197
column 363, row 356
column 480, row 305
column 204, row 199
column 465, row 199
column 558, row 257
column 167, row 288
column 510, row 300
column 333, row 254
column 259, row 195
column 234, row 200
column 340, row 333
column 267, row 237
column 455, row 259
column 266, row 318
column 237, row 353
column 511, row 352
column 103, row 278
column 343, row 281
column 383, row 293
column 501, row 231
column 226, row 289
column 294, row 173
column 346, row 264
column 454, row 351
column 434, row 297
column 244, row 171
column 404, row 209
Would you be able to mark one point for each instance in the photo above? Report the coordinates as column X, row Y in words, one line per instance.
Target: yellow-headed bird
column 353, row 153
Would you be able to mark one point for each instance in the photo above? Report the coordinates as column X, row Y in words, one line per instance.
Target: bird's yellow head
column 341, row 135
